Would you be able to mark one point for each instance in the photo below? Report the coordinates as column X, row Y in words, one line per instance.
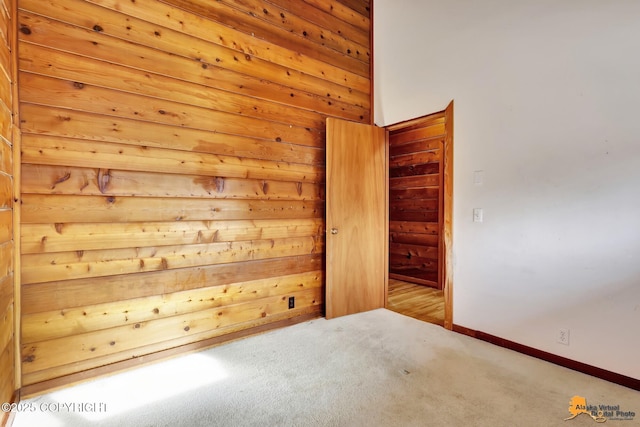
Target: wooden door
column 357, row 218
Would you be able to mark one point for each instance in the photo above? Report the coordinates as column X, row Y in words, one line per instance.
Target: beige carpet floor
column 372, row 369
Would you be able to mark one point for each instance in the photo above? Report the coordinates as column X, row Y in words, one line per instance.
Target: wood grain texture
column 104, row 367
column 447, row 219
column 85, row 70
column 60, row 323
column 8, row 311
column 99, row 45
column 106, row 155
column 173, row 169
column 6, row 156
column 357, row 218
column 187, row 327
column 38, row 268
column 420, row 302
column 61, row 237
column 416, row 186
column 64, row 294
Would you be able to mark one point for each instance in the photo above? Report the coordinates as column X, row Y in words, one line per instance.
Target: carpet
column 377, row 368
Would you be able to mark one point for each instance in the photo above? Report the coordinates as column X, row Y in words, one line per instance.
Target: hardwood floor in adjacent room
column 417, row 301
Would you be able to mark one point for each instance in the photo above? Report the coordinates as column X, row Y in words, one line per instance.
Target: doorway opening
column 420, row 208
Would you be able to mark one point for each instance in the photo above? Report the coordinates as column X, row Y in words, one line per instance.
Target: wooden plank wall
column 415, row 201
column 173, row 169
column 7, row 260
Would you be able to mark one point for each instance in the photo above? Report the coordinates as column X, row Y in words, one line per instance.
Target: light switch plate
column 478, row 177
column 477, row 215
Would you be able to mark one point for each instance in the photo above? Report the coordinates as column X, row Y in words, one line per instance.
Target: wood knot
column 78, row 85
column 219, row 183
column 111, row 200
column 28, row 359
column 104, row 177
column 61, row 179
column 25, row 30
column 98, row 28
column 186, row 328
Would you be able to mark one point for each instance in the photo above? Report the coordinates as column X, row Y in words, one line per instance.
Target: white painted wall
column 547, row 104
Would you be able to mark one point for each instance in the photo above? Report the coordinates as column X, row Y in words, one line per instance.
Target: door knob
column 334, row 230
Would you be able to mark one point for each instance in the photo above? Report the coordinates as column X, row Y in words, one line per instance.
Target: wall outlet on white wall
column 563, row 336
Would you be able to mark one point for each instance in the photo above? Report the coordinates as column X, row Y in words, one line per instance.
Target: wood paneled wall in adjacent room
column 415, row 202
column 173, row 169
column 7, row 245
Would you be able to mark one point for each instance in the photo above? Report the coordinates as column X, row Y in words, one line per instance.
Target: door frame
column 446, row 233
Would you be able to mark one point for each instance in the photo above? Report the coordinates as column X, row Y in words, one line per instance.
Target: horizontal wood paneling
column 95, row 99
column 343, row 13
column 84, row 292
column 331, row 23
column 105, row 155
column 6, row 157
column 39, row 119
column 415, row 199
column 417, row 193
column 81, row 346
column 76, row 181
column 69, row 321
column 8, row 308
column 95, row 43
column 63, row 208
column 81, row 70
column 173, row 169
column 38, row 268
column 6, row 225
column 250, row 19
column 6, row 319
column 61, row 237
column 7, row 383
column 415, row 158
column 6, row 191
column 127, row 358
column 414, row 182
